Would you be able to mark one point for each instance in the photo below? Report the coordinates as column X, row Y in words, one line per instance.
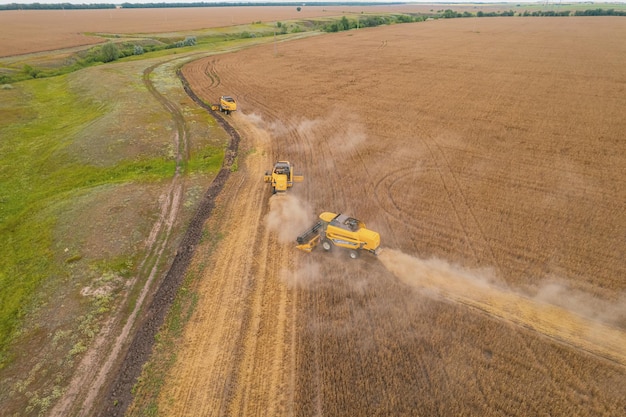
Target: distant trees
column 369, row 21
column 600, row 12
column 495, row 14
column 282, row 27
column 344, row 24
column 58, row 6
column 449, row 14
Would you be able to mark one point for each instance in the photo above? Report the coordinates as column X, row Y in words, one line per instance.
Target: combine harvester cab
column 282, row 177
column 340, row 230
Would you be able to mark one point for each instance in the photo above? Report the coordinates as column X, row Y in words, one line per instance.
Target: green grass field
column 36, row 174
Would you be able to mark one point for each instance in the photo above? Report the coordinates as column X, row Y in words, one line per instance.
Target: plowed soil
column 489, row 154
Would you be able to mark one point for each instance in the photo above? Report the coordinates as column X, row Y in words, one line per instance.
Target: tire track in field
column 463, row 287
column 297, row 145
column 386, row 197
column 210, row 71
column 373, row 183
column 539, row 365
column 463, row 211
column 320, row 143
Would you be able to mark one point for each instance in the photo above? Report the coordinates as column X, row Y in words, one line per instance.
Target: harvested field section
column 491, row 145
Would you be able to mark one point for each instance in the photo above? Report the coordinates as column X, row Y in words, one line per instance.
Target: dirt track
column 490, row 143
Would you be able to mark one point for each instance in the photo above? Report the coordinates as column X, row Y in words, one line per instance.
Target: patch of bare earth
column 489, row 150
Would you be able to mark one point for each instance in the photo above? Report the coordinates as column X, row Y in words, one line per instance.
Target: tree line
column 68, row 6
column 56, row 6
column 371, row 21
column 447, row 14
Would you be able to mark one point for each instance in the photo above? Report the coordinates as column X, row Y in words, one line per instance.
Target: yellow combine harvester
column 340, row 230
column 282, row 177
column 227, row 104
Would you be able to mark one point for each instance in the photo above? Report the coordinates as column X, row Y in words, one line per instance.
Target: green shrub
column 109, row 52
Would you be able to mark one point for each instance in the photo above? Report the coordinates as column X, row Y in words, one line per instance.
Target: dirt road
column 250, row 341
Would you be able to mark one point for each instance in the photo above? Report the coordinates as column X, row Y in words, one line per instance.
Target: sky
column 312, row 2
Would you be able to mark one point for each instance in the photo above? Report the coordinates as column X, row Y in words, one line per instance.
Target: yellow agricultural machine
column 340, row 230
column 227, row 105
column 282, row 177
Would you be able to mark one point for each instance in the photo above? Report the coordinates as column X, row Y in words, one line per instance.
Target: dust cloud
column 560, row 294
column 271, row 129
column 288, row 217
column 307, row 276
column 348, row 131
column 349, row 134
column 569, row 324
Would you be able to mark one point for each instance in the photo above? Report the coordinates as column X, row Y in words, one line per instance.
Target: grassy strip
column 35, row 174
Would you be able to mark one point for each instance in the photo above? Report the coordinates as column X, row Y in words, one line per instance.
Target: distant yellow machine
column 340, row 230
column 282, row 177
column 227, row 104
